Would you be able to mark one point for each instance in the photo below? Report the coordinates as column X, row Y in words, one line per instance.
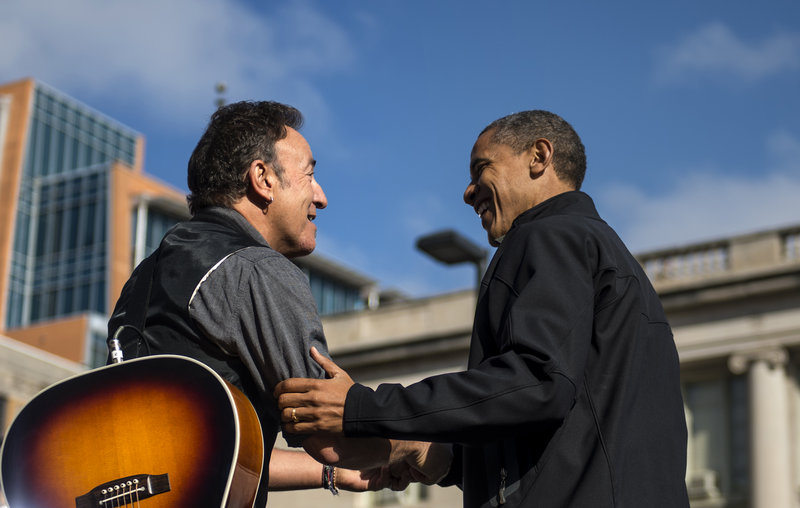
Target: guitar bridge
column 124, row 491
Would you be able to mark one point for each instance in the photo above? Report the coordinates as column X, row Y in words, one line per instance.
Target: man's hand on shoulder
column 309, row 406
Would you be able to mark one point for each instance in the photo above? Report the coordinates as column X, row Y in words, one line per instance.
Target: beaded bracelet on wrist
column 329, row 479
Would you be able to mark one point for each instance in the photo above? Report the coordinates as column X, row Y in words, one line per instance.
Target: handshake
column 377, row 463
column 315, row 407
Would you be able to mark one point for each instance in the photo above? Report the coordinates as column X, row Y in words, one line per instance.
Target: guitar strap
column 137, row 314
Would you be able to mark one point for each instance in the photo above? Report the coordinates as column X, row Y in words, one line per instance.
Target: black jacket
column 572, row 394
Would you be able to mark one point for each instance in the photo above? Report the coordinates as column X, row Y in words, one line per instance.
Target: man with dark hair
column 224, row 292
column 237, row 135
column 572, row 393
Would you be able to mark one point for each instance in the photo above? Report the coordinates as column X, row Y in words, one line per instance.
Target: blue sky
column 689, row 110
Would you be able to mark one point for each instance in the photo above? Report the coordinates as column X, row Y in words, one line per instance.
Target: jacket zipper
column 501, row 493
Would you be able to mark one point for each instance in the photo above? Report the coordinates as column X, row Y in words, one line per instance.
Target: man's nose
column 320, row 199
column 469, row 194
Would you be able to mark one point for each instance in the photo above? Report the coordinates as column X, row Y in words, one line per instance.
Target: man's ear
column 541, row 156
column 262, row 180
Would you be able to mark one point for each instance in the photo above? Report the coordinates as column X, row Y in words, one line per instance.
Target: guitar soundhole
column 124, row 491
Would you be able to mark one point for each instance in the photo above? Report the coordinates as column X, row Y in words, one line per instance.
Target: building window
column 97, row 352
column 791, row 244
column 67, row 274
column 717, row 420
column 333, row 297
column 156, row 223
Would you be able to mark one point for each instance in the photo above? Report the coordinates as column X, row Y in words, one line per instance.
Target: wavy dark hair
column 521, row 130
column 237, row 134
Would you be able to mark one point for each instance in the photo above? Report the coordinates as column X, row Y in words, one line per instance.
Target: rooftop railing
column 762, row 250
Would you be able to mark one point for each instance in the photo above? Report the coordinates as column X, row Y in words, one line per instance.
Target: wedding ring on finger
column 294, row 415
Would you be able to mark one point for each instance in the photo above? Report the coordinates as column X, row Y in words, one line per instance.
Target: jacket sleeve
column 538, row 313
column 262, row 312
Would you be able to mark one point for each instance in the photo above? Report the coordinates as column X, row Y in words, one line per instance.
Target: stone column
column 770, row 443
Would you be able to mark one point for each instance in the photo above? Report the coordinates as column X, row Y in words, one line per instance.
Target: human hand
column 314, row 405
column 424, row 462
column 352, row 453
column 372, row 479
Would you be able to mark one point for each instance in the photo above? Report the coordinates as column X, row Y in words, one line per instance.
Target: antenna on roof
column 220, row 87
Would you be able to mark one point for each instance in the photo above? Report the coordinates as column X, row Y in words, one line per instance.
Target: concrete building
column 734, row 305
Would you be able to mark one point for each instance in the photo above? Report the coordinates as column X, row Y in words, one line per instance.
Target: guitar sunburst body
column 167, row 427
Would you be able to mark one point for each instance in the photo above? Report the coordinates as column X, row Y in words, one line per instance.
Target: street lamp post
column 451, row 247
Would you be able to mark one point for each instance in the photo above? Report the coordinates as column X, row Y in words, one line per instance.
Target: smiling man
column 223, row 290
column 572, row 395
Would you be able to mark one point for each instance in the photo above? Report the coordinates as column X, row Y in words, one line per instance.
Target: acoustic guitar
column 155, row 432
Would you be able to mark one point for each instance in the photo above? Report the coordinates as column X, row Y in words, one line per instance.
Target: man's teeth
column 482, row 208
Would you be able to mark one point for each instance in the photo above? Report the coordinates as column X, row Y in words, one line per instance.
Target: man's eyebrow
column 312, row 163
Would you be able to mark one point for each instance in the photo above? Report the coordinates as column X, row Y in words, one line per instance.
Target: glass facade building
column 59, row 255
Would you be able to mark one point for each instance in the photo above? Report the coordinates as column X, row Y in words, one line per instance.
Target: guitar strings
column 128, row 496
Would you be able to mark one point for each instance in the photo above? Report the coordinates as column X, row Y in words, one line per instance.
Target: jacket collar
column 230, row 218
column 566, row 203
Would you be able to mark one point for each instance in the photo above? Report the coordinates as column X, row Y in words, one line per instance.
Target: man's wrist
column 329, row 479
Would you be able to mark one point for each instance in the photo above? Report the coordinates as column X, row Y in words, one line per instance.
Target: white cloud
column 714, row 50
column 709, row 204
column 167, row 56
